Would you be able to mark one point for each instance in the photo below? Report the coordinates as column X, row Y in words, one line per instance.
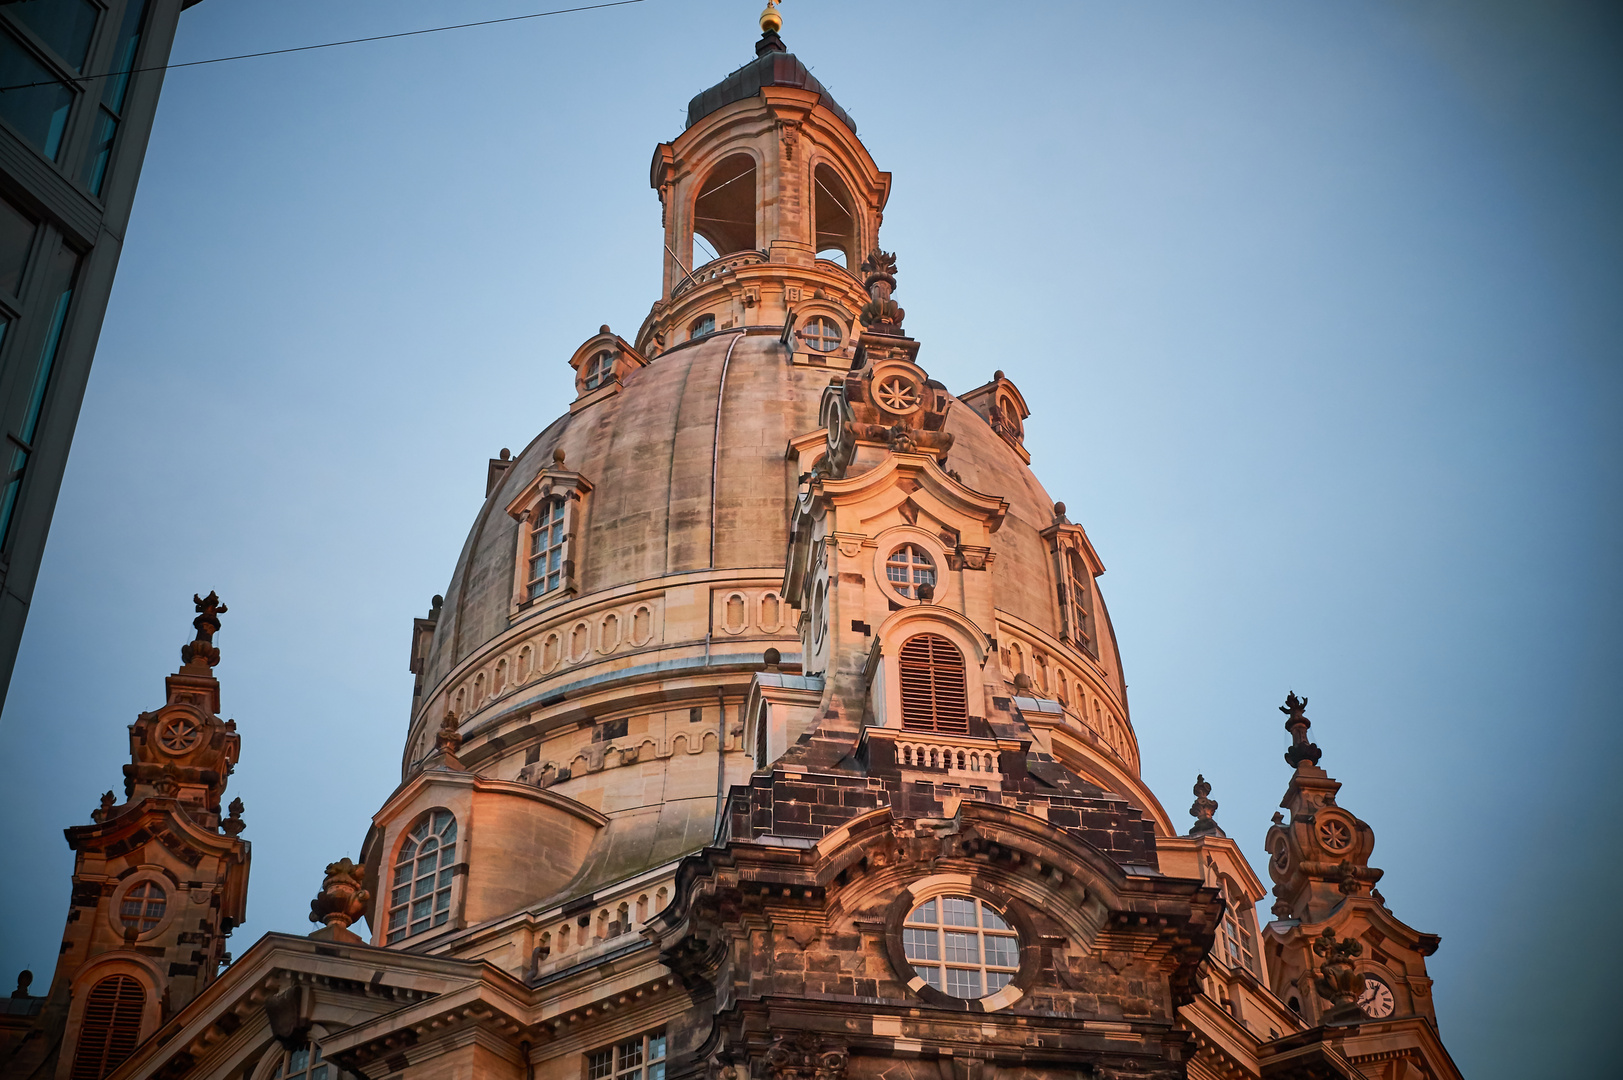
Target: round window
column 908, row 567
column 821, row 334
column 961, row 946
column 143, row 907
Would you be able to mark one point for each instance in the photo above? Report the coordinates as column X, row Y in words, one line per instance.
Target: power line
column 327, row 44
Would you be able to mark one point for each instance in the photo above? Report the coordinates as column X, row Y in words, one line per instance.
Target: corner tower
column 159, row 881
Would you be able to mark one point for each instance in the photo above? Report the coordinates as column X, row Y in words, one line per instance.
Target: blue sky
column 1317, row 306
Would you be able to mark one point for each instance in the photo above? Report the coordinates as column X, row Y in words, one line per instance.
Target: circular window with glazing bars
column 908, row 567
column 961, row 946
column 821, row 334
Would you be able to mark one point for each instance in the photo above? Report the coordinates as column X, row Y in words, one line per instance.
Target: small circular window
column 908, row 567
column 143, row 907
column 599, row 369
column 961, row 946
column 821, row 334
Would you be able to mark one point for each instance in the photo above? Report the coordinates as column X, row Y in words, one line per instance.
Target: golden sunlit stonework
column 772, row 727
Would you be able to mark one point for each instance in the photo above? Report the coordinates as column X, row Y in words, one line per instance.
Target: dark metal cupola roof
column 772, row 66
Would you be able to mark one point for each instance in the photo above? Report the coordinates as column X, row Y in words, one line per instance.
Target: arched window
column 421, row 895
column 821, row 334
column 598, row 370
column 908, row 567
column 834, row 215
column 305, row 1063
column 143, row 907
column 934, row 698
column 110, row 1027
column 724, row 212
column 546, row 566
column 1238, row 940
column 1079, row 597
column 702, row 326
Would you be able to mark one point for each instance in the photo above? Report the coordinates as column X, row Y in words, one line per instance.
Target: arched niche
column 724, row 211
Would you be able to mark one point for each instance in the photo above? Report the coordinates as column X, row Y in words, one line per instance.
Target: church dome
column 713, row 563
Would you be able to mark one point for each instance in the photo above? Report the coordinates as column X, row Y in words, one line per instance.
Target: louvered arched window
column 932, row 677
column 110, row 1027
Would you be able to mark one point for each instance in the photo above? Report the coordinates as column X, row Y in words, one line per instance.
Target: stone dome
column 692, row 477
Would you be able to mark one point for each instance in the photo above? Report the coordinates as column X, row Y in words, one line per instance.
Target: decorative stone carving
column 341, row 902
column 448, row 740
column 1297, row 723
column 234, row 824
column 105, row 811
column 1338, row 981
column 881, row 314
column 805, row 1055
column 201, row 652
column 1202, row 810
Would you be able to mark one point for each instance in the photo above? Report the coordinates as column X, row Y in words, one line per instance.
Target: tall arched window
column 724, row 212
column 934, row 698
column 110, row 1027
column 421, row 895
column 833, row 212
column 1079, row 596
column 1238, row 938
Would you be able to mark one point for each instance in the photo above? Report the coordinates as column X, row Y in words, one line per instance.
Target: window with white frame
column 639, row 1058
column 961, row 945
column 420, row 895
column 908, row 567
column 546, row 557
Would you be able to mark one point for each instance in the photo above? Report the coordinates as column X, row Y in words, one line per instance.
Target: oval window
column 821, row 334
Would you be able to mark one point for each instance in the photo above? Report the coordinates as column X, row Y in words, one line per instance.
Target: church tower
column 159, row 881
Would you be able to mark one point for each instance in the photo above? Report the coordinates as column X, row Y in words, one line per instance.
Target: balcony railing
column 717, row 268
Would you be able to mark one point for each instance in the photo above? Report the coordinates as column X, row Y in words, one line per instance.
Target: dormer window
column 821, row 334
column 547, row 538
column 599, row 370
column 703, row 326
column 550, row 515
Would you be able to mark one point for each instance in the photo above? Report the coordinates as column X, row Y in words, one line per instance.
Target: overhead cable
column 325, row 45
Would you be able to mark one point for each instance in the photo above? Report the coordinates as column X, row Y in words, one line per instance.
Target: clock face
column 1376, row 1000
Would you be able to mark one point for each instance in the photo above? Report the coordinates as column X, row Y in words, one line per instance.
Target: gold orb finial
column 771, row 21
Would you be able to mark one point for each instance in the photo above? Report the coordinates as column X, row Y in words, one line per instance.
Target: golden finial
column 771, row 21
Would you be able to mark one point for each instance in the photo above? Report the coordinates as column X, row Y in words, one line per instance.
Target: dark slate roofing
column 771, row 67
